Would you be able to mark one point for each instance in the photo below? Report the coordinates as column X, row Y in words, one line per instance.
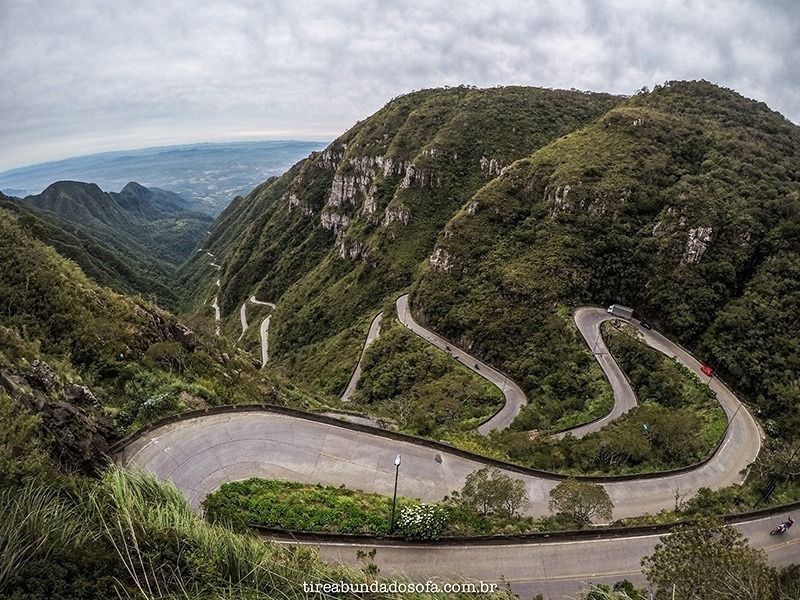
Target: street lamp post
column 394, row 497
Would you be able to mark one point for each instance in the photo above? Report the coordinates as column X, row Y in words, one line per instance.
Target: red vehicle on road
column 707, row 370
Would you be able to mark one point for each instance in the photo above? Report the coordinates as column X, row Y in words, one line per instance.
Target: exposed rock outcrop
column 558, row 198
column 77, row 440
column 397, row 214
column 81, row 396
column 334, row 222
column 42, row 376
column 421, row 177
column 441, row 260
column 165, row 329
column 562, row 198
column 294, row 203
column 345, row 188
column 699, row 238
column 491, row 167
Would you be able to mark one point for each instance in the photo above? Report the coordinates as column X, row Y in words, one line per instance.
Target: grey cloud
column 97, row 74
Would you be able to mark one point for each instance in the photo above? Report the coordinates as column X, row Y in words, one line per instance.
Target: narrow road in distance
column 243, row 312
column 372, row 335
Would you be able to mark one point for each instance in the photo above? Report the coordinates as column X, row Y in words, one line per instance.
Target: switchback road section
column 514, row 396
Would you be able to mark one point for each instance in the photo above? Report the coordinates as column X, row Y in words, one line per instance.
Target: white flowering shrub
column 422, row 522
column 157, row 406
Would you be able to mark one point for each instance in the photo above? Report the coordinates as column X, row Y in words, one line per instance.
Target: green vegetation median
column 423, row 390
column 490, row 502
column 678, row 422
column 301, row 507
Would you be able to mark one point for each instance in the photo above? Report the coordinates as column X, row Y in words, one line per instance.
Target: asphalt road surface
column 515, row 397
column 555, row 569
column 372, row 335
column 200, row 454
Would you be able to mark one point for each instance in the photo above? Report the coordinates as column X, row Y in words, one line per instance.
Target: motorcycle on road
column 782, row 527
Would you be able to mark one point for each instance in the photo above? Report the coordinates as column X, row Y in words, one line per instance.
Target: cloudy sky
column 85, row 76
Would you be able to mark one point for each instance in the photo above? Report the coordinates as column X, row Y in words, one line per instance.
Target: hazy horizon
column 96, row 77
column 207, row 174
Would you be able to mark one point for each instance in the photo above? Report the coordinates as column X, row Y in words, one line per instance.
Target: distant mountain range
column 207, row 175
column 131, row 241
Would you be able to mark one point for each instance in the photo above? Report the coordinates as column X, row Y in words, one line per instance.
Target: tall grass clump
column 35, row 520
column 129, row 535
column 171, row 552
column 167, row 549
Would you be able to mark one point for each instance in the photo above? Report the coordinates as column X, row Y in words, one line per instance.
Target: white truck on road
column 620, row 311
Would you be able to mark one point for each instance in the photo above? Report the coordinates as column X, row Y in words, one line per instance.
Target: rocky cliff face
column 352, row 196
column 375, row 201
column 76, row 433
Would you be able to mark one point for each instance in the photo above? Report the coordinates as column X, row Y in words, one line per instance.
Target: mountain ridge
column 383, row 206
column 132, row 240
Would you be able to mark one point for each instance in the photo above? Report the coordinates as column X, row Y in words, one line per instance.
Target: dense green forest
column 419, row 389
column 501, row 209
column 94, row 363
column 81, row 366
column 682, row 203
column 131, row 241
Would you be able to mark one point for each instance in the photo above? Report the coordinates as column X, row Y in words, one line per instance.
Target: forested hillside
column 131, row 241
column 350, row 226
column 682, row 203
column 91, row 364
column 504, row 208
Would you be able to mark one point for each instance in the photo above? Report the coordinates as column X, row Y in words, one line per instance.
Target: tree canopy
column 583, row 501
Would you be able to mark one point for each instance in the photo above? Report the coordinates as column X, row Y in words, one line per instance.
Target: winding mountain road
column 202, row 453
column 214, row 303
column 199, row 454
column 588, row 320
column 263, row 330
column 515, row 397
column 372, row 335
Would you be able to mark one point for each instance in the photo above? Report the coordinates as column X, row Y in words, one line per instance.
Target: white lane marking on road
column 153, row 440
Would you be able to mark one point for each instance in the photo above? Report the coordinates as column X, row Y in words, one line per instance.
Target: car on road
column 707, row 370
column 645, row 325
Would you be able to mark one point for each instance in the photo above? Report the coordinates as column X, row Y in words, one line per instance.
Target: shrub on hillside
column 422, row 522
